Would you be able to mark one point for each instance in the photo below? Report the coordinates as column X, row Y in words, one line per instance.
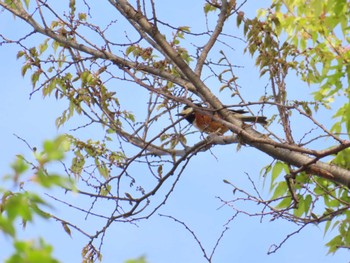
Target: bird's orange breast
column 206, row 124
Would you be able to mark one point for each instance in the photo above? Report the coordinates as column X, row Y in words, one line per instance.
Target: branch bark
column 191, row 80
column 248, row 135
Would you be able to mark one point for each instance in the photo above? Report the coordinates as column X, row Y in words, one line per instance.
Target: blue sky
column 194, row 200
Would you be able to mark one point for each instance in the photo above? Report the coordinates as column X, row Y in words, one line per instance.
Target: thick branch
column 311, row 165
column 247, row 136
column 193, row 82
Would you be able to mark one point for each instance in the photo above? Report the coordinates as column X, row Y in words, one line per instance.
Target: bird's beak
column 180, row 114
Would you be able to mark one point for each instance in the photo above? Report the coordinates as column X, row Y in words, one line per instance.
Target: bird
column 206, row 124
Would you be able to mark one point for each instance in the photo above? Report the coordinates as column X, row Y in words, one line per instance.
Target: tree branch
column 213, row 38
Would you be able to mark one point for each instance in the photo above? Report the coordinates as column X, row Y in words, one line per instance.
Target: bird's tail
column 257, row 119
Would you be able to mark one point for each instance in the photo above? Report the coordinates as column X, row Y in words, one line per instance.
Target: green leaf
column 284, row 203
column 240, row 17
column 55, row 45
column 209, row 8
column 82, row 16
column 27, row 3
column 138, row 260
column 49, row 87
column 129, row 50
column 19, row 166
column 78, row 163
column 32, row 252
column 245, row 28
column 332, row 203
column 277, row 170
column 306, row 108
column 334, row 244
column 301, row 207
column 22, row 205
column 102, row 168
column 55, row 149
column 7, row 226
column 328, row 224
column 130, row 116
column 307, row 204
column 43, row 46
column 66, row 229
column 160, row 171
column 25, row 68
column 280, row 190
column 20, row 54
column 105, row 190
column 35, row 77
column 51, row 180
column 185, row 28
column 110, row 131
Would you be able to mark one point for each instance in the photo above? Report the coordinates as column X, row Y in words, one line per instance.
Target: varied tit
column 205, row 122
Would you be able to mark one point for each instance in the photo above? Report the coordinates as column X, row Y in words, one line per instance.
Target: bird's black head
column 188, row 113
